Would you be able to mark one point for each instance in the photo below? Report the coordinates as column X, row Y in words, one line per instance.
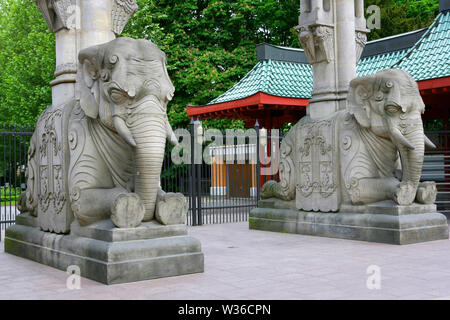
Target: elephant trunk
column 412, row 154
column 147, row 125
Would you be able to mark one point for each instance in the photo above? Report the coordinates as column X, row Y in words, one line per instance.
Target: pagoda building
column 276, row 91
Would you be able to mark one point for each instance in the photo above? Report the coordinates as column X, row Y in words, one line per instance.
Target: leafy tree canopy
column 210, row 46
column 27, row 62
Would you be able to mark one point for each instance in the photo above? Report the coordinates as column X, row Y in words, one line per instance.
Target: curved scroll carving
column 122, row 11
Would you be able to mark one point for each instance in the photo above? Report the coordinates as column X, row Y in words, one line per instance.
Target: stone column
column 345, row 47
column 59, row 17
column 333, row 34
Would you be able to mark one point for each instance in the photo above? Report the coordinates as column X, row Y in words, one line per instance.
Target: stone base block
column 107, row 254
column 382, row 222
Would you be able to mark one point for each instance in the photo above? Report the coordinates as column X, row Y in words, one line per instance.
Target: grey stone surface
column 127, row 211
column 171, row 208
column 26, row 219
column 106, row 231
column 143, row 253
column 388, row 207
column 398, row 226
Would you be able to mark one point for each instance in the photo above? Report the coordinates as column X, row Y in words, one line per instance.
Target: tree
column 400, row 16
column 210, row 46
column 27, row 62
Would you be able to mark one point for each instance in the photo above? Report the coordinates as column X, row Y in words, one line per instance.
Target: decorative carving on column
column 56, row 13
column 65, row 68
column 361, row 40
column 317, row 179
column 318, row 43
column 54, row 213
column 122, row 11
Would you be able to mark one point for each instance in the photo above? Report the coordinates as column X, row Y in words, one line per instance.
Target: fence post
column 199, row 140
column 258, row 165
column 192, row 176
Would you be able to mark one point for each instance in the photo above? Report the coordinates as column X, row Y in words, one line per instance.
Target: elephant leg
column 92, row 205
column 372, row 190
column 125, row 209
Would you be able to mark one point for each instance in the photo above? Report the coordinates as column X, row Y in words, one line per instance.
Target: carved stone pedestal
column 382, row 222
column 107, row 254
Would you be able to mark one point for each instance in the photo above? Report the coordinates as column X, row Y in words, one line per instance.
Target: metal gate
column 223, row 188
column 220, row 177
column 14, row 144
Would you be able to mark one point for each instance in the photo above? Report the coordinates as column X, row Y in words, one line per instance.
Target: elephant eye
column 104, row 74
column 379, row 96
column 392, row 109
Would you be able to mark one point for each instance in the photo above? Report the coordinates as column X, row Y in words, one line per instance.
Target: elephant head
column 124, row 84
column 389, row 105
column 119, row 74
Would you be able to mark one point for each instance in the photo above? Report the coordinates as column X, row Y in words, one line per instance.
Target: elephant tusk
column 123, row 131
column 398, row 138
column 429, row 143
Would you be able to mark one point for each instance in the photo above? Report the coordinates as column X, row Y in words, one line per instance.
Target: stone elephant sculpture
column 379, row 142
column 117, row 132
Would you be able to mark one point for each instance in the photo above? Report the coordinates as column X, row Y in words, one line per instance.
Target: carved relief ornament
column 361, row 40
column 122, row 11
column 56, row 12
column 317, row 42
column 59, row 14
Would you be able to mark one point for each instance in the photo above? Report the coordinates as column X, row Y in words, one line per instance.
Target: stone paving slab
column 247, row 264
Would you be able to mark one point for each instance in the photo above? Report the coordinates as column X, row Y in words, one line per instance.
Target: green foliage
column 210, row 45
column 433, row 125
column 27, row 62
column 9, row 195
column 400, row 16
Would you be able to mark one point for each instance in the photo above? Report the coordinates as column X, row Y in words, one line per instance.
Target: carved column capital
column 361, row 40
column 61, row 14
column 122, row 11
column 318, row 42
column 57, row 13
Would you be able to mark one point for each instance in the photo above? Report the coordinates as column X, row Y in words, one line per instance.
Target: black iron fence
column 219, row 172
column 14, row 143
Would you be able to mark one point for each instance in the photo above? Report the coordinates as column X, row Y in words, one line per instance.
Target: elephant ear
column 88, row 91
column 403, row 90
column 357, row 102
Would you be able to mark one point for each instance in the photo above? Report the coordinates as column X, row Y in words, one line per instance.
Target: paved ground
column 244, row 264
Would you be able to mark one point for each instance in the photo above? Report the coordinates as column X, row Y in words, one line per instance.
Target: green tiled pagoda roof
column 426, row 57
column 373, row 64
column 430, row 57
column 278, row 78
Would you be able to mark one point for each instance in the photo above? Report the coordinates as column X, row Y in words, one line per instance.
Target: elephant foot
column 405, row 194
column 127, row 211
column 273, row 189
column 427, row 193
column 171, row 208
